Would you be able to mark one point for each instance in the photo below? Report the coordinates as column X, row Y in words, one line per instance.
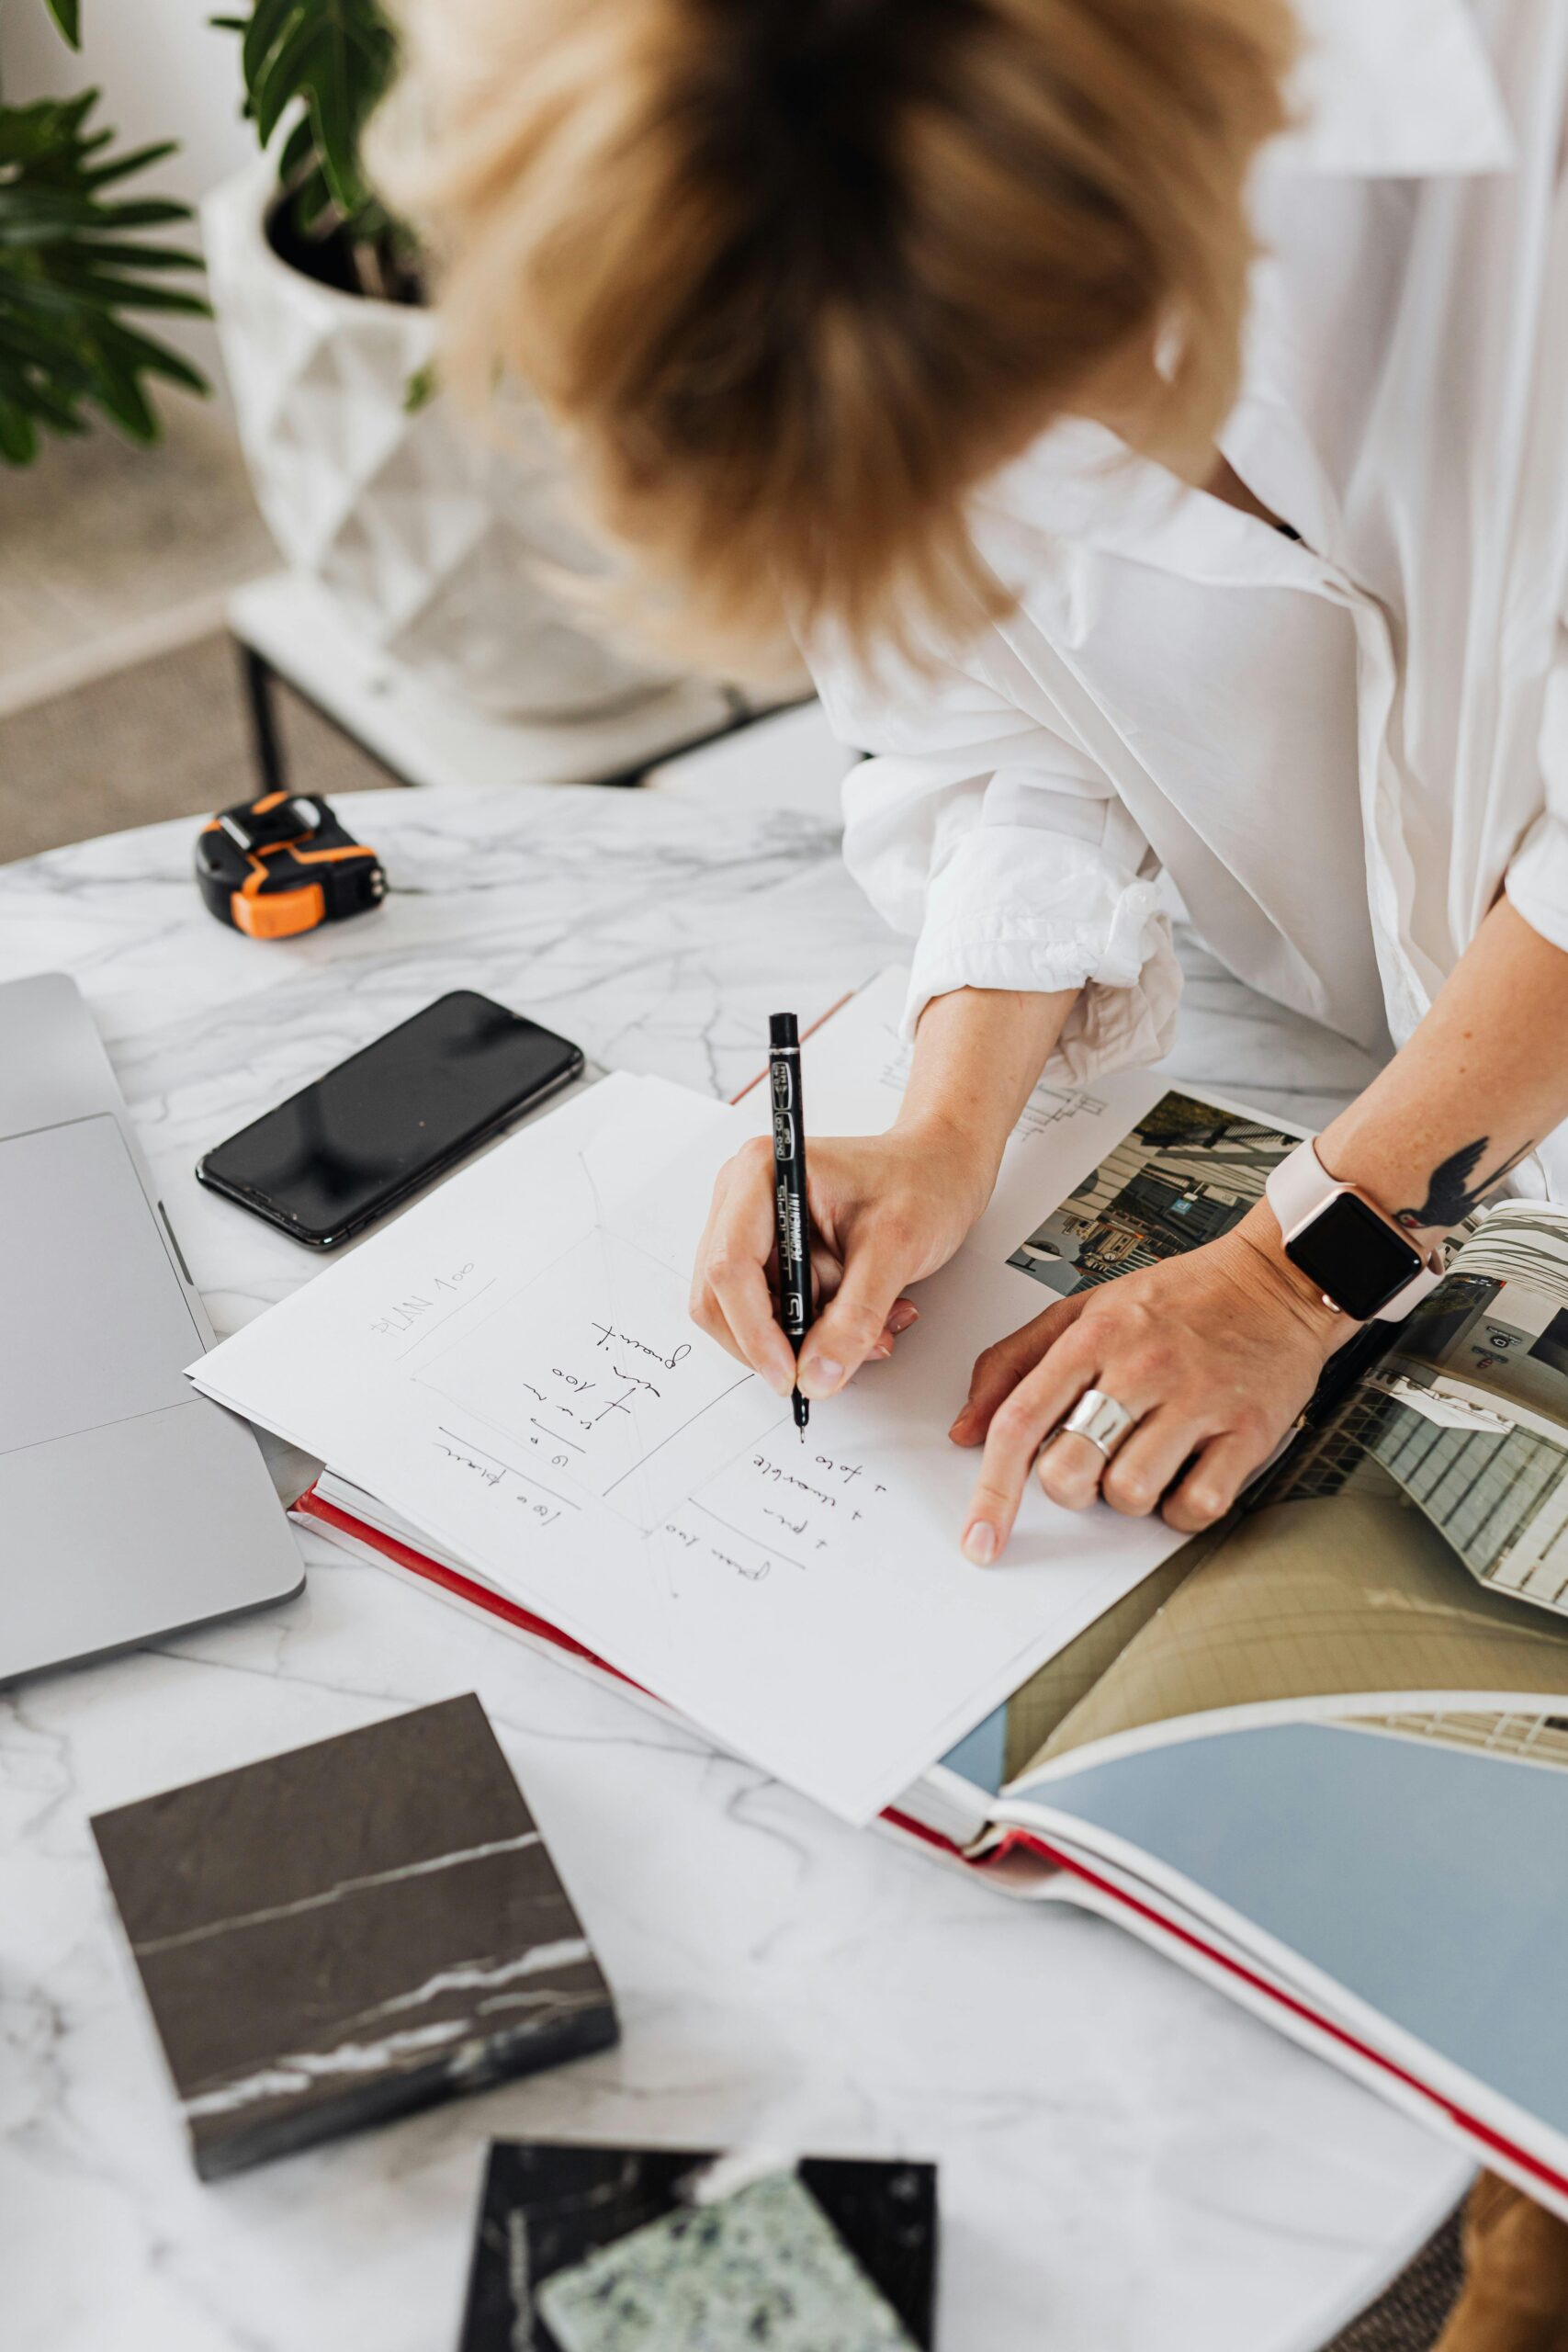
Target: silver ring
column 1100, row 1418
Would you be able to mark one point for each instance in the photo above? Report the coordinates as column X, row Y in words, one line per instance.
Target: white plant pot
column 429, row 538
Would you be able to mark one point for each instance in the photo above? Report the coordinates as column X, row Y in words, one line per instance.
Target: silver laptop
column 130, row 1506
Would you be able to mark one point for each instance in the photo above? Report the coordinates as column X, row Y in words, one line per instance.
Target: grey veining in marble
column 345, row 1933
column 1129, row 2163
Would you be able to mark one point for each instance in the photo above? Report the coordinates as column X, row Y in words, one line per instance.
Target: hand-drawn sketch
column 589, row 1382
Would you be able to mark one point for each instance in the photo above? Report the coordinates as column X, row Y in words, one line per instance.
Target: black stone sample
column 546, row 2205
column 349, row 1931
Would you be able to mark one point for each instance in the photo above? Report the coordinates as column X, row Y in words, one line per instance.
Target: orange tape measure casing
column 283, row 865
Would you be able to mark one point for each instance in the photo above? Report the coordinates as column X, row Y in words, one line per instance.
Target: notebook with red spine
column 1320, row 1756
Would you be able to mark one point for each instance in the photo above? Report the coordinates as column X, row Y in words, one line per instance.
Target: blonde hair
column 797, row 275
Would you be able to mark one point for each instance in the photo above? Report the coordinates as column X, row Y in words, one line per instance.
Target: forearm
column 1483, row 1079
column 978, row 1053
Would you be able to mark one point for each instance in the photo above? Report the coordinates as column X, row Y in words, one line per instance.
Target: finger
column 699, row 1295
column 826, row 1275
column 1150, row 1460
column 840, row 1341
column 1019, row 1423
column 1000, row 1368
column 703, row 1308
column 736, row 1270
column 897, row 1323
column 1070, row 1470
column 1223, row 1468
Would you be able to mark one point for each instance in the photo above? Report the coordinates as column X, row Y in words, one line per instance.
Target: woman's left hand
column 1213, row 1353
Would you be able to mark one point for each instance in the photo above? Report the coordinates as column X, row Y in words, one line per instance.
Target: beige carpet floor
column 167, row 738
column 101, row 543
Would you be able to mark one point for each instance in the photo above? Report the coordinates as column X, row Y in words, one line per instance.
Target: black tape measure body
column 283, row 865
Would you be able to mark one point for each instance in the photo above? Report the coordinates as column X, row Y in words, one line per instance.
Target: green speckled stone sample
column 761, row 2267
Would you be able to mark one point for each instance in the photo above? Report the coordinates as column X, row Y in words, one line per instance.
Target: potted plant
column 74, row 266
column 433, row 543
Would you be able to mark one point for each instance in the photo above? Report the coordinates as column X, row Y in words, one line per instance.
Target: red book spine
column 311, row 1506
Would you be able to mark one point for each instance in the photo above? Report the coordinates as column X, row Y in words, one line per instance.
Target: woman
column 1149, row 417
column 1171, row 503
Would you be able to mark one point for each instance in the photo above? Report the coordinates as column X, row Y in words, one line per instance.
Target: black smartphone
column 372, row 1131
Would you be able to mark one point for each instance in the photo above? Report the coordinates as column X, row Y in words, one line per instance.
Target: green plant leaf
column 121, row 254
column 269, row 20
column 140, row 159
column 72, row 270
column 67, row 15
column 278, row 87
column 153, row 358
column 18, row 434
column 332, row 61
column 421, row 389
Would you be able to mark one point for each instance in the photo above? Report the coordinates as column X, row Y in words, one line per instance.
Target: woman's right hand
column 885, row 1210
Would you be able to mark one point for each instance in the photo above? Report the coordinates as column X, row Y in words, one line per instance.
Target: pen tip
column 802, row 1412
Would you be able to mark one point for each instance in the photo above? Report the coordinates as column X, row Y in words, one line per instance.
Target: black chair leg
column 259, row 679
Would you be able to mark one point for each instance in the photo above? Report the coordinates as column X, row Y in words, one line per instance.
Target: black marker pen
column 791, row 1214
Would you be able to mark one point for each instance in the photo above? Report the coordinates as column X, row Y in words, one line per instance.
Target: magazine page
column 1183, row 1168
column 1333, row 1858
column 1185, row 1172
column 1407, row 1560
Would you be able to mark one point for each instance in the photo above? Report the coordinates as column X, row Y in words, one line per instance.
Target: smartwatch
column 1351, row 1251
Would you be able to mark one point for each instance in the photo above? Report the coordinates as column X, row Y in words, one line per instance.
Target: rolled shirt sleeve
column 1006, row 853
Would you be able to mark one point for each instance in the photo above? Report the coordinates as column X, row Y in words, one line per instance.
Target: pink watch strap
column 1301, row 1185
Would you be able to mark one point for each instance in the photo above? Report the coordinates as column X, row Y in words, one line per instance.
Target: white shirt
column 1334, row 752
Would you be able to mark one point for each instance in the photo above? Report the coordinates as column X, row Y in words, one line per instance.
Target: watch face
column 1353, row 1256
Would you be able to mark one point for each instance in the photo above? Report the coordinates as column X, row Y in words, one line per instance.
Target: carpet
column 1409, row 2315
column 167, row 738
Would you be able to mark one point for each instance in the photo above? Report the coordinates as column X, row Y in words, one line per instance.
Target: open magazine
column 1322, row 1752
column 1317, row 1755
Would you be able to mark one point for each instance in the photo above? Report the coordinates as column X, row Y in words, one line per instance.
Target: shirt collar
column 1079, row 486
column 1393, row 89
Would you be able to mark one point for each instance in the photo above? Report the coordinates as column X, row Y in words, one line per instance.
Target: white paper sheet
column 511, row 1368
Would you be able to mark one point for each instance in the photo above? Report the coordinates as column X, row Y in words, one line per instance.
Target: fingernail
column 962, row 1419
column 901, row 1316
column 980, row 1544
column 882, row 1351
column 820, row 1378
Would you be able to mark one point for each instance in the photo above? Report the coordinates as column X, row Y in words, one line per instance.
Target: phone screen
column 372, row 1131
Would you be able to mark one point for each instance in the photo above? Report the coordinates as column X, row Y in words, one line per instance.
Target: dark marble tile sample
column 348, row 1931
column 546, row 2205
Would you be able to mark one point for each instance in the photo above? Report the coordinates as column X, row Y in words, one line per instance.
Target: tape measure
column 282, row 864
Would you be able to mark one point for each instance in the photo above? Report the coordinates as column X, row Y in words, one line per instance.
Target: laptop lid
column 132, row 1507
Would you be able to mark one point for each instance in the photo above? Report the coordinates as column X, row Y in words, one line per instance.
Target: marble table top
column 1129, row 2163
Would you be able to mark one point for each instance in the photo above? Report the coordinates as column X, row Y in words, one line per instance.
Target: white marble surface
column 1129, row 2163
